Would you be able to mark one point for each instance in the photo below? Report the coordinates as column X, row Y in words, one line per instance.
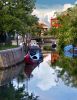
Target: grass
column 4, row 47
column 47, row 48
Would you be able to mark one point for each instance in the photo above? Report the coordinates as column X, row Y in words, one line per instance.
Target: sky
column 45, row 8
column 50, row 3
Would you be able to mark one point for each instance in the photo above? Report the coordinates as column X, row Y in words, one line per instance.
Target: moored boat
column 34, row 55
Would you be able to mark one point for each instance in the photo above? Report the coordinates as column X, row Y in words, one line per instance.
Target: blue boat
column 70, row 51
column 34, row 55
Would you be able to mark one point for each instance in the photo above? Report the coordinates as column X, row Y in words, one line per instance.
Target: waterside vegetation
column 66, row 35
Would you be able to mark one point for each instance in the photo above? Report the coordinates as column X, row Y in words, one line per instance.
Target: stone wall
column 11, row 64
column 11, row 57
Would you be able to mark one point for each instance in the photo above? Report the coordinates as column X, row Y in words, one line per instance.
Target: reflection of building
column 55, row 22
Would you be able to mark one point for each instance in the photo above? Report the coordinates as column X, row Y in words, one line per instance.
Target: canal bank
column 11, row 64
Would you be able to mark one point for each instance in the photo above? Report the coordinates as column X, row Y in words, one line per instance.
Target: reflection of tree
column 69, row 70
column 20, row 79
column 8, row 92
column 66, row 35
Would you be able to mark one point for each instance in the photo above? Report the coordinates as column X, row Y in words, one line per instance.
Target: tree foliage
column 17, row 15
column 67, row 34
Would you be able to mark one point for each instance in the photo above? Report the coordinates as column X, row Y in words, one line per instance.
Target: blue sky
column 45, row 9
column 40, row 3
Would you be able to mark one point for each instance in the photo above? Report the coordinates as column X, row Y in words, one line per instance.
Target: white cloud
column 66, row 6
column 75, row 2
column 44, row 13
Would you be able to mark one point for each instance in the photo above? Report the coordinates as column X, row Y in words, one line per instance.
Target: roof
column 42, row 25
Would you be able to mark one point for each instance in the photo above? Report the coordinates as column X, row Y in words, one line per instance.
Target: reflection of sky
column 45, row 84
column 46, row 77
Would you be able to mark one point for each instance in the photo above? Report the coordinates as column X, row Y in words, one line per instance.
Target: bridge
column 43, row 39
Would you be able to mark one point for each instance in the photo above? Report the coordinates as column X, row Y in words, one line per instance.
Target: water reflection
column 47, row 85
column 44, row 76
column 28, row 70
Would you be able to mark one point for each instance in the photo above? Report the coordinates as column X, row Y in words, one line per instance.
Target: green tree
column 17, row 15
column 67, row 34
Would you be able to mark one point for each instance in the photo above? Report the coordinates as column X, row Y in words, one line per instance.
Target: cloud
column 66, row 6
column 44, row 13
column 75, row 2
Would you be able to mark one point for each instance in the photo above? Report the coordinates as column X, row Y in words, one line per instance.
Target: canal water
column 45, row 83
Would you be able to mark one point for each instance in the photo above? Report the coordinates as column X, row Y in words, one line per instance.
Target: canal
column 46, row 84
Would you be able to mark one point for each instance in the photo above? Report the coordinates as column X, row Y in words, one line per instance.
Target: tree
column 16, row 15
column 67, row 34
column 73, row 30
